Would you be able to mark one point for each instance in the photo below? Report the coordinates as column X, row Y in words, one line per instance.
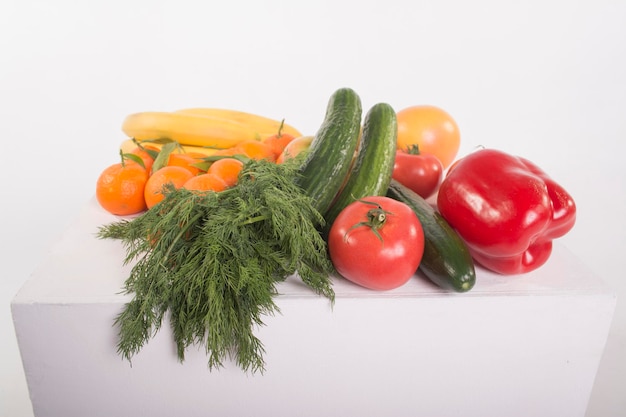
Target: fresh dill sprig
column 212, row 260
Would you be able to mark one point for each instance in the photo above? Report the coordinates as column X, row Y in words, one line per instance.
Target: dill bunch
column 213, row 260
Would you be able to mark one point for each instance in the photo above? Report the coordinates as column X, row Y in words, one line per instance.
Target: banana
column 188, row 129
column 129, row 145
column 263, row 126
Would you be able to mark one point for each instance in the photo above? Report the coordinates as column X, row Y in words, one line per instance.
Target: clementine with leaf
column 186, row 160
column 147, row 155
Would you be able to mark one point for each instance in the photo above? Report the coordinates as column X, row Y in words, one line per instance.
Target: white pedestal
column 514, row 346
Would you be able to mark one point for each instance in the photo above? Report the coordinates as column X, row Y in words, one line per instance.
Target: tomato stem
column 376, row 219
column 413, row 149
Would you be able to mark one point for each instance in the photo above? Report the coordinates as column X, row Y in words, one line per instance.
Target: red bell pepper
column 506, row 209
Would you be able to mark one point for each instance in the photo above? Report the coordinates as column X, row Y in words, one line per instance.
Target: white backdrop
column 541, row 79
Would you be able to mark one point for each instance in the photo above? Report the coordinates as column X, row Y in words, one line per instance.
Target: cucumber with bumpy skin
column 371, row 171
column 330, row 155
column 446, row 260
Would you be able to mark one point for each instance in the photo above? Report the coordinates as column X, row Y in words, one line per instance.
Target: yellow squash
column 263, row 126
column 188, row 129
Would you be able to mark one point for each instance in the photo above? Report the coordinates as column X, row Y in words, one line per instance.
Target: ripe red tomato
column 420, row 172
column 376, row 242
column 432, row 129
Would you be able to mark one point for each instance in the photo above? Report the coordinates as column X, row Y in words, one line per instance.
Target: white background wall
column 542, row 79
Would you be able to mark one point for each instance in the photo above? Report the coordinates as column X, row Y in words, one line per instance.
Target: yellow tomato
column 294, row 147
column 432, row 129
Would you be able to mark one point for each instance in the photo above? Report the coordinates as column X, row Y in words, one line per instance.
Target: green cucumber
column 371, row 171
column 446, row 260
column 330, row 155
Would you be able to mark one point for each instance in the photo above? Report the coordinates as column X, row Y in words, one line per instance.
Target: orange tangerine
column 205, row 182
column 175, row 175
column 254, row 149
column 143, row 152
column 120, row 189
column 227, row 169
column 185, row 160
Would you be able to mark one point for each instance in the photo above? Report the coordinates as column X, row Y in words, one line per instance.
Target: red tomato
column 376, row 242
column 421, row 173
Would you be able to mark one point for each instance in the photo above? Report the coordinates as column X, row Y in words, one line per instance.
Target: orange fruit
column 143, row 153
column 254, row 149
column 432, row 129
column 205, row 182
column 120, row 189
column 185, row 160
column 278, row 142
column 294, row 147
column 227, row 169
column 168, row 174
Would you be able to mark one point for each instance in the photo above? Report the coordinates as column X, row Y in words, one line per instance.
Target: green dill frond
column 212, row 260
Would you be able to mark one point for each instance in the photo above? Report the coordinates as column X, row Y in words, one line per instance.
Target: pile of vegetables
column 349, row 201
